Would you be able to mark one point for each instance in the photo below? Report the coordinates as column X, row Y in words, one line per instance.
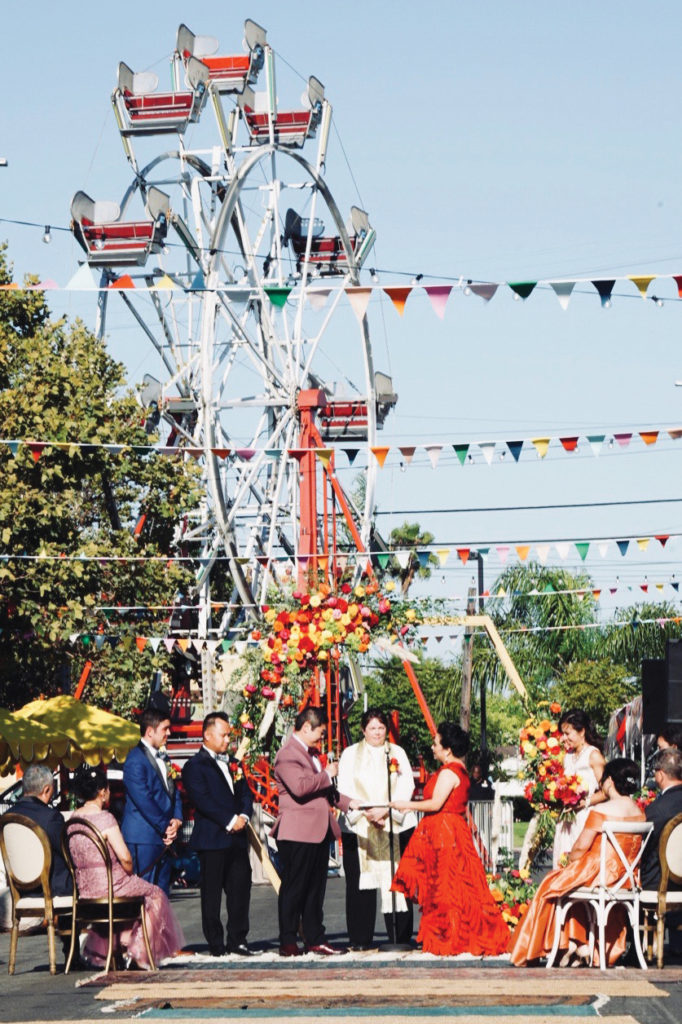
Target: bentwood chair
column 27, row 854
column 107, row 909
column 600, row 899
column 658, row 903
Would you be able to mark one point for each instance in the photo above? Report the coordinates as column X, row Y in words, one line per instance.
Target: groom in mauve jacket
column 304, row 829
column 223, row 803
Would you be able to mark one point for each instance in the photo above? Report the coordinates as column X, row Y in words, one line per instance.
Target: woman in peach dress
column 534, row 935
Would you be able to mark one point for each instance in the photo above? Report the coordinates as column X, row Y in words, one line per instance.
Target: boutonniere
column 236, row 771
column 394, row 766
column 173, row 770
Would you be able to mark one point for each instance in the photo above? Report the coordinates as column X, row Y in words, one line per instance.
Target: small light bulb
column 417, row 278
column 373, row 274
column 517, row 297
column 165, row 251
column 503, row 456
column 47, row 235
column 470, row 457
column 467, row 288
column 607, row 303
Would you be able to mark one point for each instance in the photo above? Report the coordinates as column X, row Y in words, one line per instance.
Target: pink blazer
column 305, row 813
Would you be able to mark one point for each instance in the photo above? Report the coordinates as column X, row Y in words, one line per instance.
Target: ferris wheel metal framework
column 241, row 310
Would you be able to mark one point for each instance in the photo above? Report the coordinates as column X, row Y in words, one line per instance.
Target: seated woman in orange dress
column 534, row 935
column 440, row 868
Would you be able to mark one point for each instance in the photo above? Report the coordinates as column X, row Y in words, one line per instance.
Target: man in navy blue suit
column 216, row 786
column 153, row 809
column 666, row 806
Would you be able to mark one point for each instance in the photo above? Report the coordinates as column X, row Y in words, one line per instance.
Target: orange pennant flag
column 380, row 454
column 222, row 453
column 125, row 281
column 523, row 550
column 649, row 436
column 398, row 297
column 182, row 643
column 464, row 554
column 141, row 643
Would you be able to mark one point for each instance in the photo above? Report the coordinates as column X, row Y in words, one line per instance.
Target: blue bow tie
column 222, row 757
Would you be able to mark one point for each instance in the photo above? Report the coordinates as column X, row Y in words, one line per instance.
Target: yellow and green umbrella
column 95, row 736
column 26, row 741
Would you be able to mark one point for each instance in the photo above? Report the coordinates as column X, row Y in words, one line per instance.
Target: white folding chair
column 600, row 899
column 659, row 902
column 27, row 854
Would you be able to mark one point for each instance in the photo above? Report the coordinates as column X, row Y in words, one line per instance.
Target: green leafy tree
column 645, row 635
column 597, row 687
column 58, row 384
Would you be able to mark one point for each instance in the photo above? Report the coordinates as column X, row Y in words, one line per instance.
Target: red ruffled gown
column 441, row 871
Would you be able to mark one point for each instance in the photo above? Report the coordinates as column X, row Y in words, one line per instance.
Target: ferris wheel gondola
column 245, row 307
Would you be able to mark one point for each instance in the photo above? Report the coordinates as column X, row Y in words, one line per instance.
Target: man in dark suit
column 153, row 810
column 223, row 803
column 304, row 828
column 668, row 804
column 38, row 790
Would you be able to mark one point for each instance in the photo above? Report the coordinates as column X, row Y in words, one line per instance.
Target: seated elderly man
column 35, row 804
column 668, row 804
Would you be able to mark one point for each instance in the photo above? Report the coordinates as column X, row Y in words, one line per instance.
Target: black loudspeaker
column 654, row 701
column 673, row 711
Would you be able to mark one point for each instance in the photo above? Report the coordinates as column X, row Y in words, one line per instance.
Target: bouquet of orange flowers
column 548, row 789
column 512, row 890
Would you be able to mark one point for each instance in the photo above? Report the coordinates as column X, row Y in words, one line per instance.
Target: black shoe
column 217, row 951
column 243, row 950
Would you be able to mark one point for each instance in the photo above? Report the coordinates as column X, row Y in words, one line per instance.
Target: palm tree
column 410, row 537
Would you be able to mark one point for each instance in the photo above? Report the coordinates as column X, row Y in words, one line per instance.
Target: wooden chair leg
column 51, row 951
column 660, row 935
column 14, row 937
column 110, row 951
column 145, row 935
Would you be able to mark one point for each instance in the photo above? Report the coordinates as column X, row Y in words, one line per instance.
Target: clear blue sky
column 495, row 141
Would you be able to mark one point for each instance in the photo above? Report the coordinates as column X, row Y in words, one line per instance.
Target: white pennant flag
column 543, row 552
column 402, row 558
column 359, row 299
column 82, row 280
column 562, row 290
column 239, row 296
column 603, row 547
column 212, row 645
column 317, row 297
column 563, row 550
column 433, row 451
column 169, row 644
column 154, row 642
column 487, row 450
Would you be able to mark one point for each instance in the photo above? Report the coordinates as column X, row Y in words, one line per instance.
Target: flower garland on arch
column 302, row 639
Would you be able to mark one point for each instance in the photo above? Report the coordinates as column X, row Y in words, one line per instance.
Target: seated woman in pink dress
column 165, row 935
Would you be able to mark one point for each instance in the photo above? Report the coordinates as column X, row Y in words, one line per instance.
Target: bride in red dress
column 440, row 868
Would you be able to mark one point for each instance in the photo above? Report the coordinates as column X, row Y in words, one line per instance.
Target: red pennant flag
column 221, row 453
column 569, row 443
column 662, row 538
column 644, row 587
column 297, row 453
column 36, row 448
column 464, row 554
column 678, row 282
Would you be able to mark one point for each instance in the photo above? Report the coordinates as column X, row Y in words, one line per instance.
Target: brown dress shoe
column 290, row 950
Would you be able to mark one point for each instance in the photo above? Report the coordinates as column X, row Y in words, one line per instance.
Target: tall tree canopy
column 58, row 383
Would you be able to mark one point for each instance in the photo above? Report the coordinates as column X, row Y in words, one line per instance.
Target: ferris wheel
column 239, row 263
